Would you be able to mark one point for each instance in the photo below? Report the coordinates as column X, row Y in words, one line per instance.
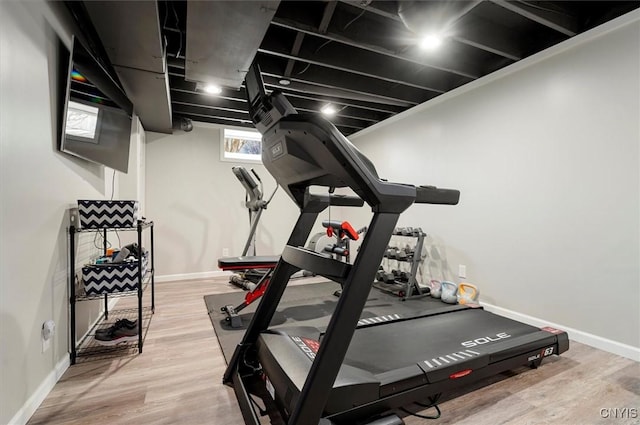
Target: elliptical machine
column 249, row 278
column 254, row 202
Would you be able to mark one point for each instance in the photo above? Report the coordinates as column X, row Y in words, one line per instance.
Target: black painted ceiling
column 361, row 57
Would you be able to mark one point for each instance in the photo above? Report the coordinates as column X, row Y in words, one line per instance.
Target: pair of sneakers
column 122, row 331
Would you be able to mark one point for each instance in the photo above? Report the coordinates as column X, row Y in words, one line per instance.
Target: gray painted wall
column 197, row 203
column 37, row 186
column 546, row 155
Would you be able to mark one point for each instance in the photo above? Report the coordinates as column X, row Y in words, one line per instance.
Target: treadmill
column 358, row 371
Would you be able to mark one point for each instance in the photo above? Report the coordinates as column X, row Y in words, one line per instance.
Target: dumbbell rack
column 403, row 284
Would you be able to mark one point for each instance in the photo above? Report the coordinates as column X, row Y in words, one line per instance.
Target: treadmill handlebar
column 345, row 201
column 434, row 195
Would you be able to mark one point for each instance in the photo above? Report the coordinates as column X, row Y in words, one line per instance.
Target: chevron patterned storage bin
column 109, row 278
column 96, row 214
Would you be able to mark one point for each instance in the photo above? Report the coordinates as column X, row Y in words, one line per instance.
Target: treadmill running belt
column 392, row 346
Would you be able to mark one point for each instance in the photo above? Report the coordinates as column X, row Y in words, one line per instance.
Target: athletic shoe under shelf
column 121, row 323
column 117, row 335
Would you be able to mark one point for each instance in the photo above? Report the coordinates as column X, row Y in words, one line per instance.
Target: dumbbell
column 380, row 274
column 391, row 253
column 405, row 276
column 388, row 277
column 401, row 255
column 407, row 231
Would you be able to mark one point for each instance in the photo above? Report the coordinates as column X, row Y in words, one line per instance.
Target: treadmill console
column 264, row 110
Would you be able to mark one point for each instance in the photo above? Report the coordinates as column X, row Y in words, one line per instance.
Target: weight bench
column 248, row 262
column 256, row 275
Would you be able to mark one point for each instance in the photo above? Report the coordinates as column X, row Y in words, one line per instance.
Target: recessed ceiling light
column 284, row 82
column 212, row 89
column 430, row 41
column 328, row 110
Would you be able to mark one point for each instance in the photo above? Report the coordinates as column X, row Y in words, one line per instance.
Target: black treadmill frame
column 300, row 151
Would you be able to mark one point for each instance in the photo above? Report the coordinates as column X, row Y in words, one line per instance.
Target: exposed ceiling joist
column 362, row 44
column 501, row 41
column 297, row 43
column 329, row 9
column 375, row 107
column 317, row 87
column 371, row 111
column 555, row 20
column 462, row 12
column 363, row 57
column 234, row 97
column 320, row 90
column 199, row 110
column 389, row 12
column 182, row 98
column 479, row 41
column 366, row 88
column 216, row 102
column 363, row 64
column 228, row 119
column 218, row 119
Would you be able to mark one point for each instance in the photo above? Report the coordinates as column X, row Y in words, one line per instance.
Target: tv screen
column 96, row 122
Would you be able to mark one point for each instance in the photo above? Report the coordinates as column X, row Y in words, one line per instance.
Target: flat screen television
column 96, row 118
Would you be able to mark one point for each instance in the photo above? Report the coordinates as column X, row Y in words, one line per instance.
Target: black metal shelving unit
column 87, row 346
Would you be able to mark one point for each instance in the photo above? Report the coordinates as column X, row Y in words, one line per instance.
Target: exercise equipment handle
column 334, row 249
column 256, row 174
column 343, row 229
column 434, row 195
column 245, row 178
column 345, row 201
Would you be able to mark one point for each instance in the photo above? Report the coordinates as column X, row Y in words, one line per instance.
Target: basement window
column 241, row 145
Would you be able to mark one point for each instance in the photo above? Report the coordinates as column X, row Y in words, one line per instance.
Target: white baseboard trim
column 191, row 276
column 31, row 405
column 595, row 341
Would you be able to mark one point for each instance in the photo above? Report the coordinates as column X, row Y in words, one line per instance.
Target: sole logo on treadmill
column 486, row 339
column 308, row 346
column 544, row 353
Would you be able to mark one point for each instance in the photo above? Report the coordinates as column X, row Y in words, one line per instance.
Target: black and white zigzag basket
column 109, row 278
column 98, row 214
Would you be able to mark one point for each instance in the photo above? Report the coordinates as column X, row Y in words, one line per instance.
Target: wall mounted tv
column 96, row 119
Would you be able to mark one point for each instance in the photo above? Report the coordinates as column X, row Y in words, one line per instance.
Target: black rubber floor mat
column 305, row 305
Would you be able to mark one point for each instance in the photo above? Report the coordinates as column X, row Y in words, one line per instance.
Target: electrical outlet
column 462, row 271
column 225, row 252
column 47, row 332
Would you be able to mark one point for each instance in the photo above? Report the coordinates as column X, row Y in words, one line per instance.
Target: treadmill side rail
column 244, row 400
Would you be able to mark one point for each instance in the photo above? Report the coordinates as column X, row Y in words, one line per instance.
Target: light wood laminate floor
column 177, row 380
